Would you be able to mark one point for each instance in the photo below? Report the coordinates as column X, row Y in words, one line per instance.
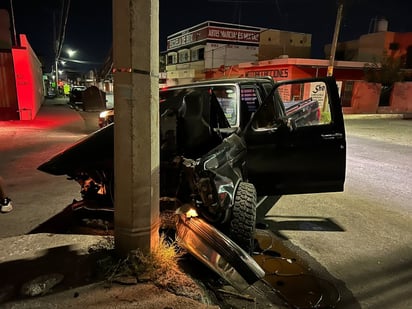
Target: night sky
column 89, row 23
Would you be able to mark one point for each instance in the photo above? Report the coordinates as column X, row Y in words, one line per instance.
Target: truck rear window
column 225, row 94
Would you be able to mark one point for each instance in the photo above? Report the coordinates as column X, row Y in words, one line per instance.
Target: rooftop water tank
column 381, row 25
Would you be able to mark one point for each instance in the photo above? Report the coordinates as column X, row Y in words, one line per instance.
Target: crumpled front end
column 94, row 151
column 222, row 166
column 89, row 162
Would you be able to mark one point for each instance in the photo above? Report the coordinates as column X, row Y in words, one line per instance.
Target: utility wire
column 63, row 25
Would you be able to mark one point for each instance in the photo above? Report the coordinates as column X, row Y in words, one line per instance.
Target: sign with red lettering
column 224, row 34
column 236, row 35
column 281, row 73
column 186, row 38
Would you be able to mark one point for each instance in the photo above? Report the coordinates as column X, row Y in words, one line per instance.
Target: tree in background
column 386, row 72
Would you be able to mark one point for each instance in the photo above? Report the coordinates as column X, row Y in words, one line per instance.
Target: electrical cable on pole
column 62, row 34
column 63, row 30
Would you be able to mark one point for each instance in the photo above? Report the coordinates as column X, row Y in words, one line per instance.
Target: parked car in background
column 75, row 96
column 51, row 93
column 216, row 160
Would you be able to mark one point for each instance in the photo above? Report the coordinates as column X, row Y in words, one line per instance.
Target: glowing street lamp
column 71, row 52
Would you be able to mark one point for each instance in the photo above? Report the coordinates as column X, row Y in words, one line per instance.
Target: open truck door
column 288, row 157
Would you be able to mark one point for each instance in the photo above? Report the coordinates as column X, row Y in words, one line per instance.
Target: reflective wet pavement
column 290, row 277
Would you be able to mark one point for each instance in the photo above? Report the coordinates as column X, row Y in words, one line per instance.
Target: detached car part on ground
column 211, row 163
column 218, row 252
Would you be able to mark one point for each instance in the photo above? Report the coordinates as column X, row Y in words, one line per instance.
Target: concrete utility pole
column 335, row 39
column 136, row 136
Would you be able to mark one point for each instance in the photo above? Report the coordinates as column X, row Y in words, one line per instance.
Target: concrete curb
column 375, row 116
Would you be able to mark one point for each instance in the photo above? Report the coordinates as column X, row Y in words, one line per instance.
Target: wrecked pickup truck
column 218, row 163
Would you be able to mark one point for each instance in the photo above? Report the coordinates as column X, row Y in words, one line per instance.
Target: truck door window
column 306, row 103
column 250, row 97
column 249, row 103
column 227, row 97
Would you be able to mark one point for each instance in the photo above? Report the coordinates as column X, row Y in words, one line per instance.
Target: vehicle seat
column 195, row 137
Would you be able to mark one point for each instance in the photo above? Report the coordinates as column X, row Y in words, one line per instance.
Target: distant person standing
column 66, row 90
column 5, row 201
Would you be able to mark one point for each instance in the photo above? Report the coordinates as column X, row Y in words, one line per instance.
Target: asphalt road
column 24, row 145
column 360, row 240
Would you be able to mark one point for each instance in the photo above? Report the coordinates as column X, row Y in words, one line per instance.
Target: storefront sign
column 181, row 40
column 276, row 74
column 236, row 35
column 186, row 38
column 318, row 92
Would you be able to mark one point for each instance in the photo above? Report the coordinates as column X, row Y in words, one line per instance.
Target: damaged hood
column 95, row 149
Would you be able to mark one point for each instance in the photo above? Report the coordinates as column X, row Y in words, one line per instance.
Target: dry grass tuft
column 159, row 266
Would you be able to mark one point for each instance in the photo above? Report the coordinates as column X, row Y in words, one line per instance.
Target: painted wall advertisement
column 318, row 92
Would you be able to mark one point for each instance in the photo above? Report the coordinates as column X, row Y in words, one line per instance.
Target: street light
column 71, row 52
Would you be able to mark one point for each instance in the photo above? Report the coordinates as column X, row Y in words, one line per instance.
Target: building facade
column 220, row 50
column 196, row 52
column 373, row 46
column 21, row 77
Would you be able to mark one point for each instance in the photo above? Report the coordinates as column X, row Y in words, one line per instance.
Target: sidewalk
column 64, row 267
column 375, row 116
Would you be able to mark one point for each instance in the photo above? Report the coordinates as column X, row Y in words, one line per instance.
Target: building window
column 346, row 96
column 201, row 54
column 184, row 56
column 297, row 91
column 408, row 61
column 394, row 46
column 172, row 58
column 198, row 54
column 194, row 55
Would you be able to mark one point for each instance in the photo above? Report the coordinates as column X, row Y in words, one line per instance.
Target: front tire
column 243, row 222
